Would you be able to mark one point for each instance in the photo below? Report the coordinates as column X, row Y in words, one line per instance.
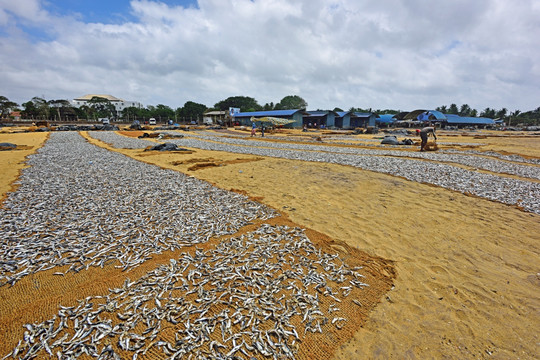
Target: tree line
column 38, row 108
column 98, row 107
column 515, row 117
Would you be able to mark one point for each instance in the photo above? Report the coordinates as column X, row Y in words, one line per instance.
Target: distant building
column 320, row 117
column 118, row 104
column 215, row 116
column 15, row 115
column 363, row 120
column 244, row 118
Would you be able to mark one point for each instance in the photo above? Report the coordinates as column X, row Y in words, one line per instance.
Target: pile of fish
column 79, row 205
column 122, row 142
column 436, row 171
column 256, row 295
column 484, row 162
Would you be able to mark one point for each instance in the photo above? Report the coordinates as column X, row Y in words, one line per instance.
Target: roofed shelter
column 320, row 117
column 363, row 120
column 462, row 121
column 215, row 116
column 244, row 118
column 341, row 118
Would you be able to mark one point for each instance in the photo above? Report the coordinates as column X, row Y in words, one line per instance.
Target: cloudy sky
column 398, row 54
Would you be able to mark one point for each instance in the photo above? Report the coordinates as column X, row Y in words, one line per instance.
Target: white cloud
column 385, row 54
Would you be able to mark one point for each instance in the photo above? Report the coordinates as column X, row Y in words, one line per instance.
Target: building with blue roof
column 342, row 117
column 320, row 117
column 462, row 121
column 244, row 118
column 363, row 120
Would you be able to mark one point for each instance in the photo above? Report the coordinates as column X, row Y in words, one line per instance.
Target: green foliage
column 191, row 110
column 245, row 104
column 62, row 109
column 489, row 113
column 527, row 118
column 268, row 107
column 465, row 110
column 102, row 107
column 6, row 106
column 37, row 108
column 161, row 112
column 291, row 102
column 134, row 113
column 453, row 109
column 386, row 111
column 360, row 110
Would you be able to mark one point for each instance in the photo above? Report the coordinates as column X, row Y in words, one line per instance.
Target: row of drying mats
column 262, row 294
column 509, row 179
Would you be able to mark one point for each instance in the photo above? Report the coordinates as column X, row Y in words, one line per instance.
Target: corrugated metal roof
column 342, row 113
column 316, row 113
column 456, row 119
column 364, row 115
column 267, row 113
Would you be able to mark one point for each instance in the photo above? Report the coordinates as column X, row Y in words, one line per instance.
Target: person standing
column 424, row 133
column 253, row 129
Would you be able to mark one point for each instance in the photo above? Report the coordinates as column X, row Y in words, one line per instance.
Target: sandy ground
column 468, row 270
column 12, row 161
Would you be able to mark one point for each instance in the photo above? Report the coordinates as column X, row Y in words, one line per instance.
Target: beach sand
column 467, row 270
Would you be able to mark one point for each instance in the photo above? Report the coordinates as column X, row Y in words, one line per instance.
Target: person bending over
column 424, row 133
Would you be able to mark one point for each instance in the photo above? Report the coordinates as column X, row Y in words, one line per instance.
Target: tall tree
column 37, row 108
column 162, row 112
column 464, row 110
column 443, row 109
column 63, row 109
column 291, row 102
column 133, row 113
column 488, row 112
column 501, row 114
column 102, row 107
column 191, row 110
column 268, row 107
column 453, row 109
column 245, row 103
column 6, row 106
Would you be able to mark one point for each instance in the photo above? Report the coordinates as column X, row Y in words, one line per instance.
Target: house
column 342, row 117
column 363, row 120
column 15, row 115
column 320, row 117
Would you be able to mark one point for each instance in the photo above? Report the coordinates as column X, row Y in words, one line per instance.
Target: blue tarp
column 386, row 119
column 425, row 115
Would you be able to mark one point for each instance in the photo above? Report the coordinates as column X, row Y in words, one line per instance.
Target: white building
column 118, row 104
